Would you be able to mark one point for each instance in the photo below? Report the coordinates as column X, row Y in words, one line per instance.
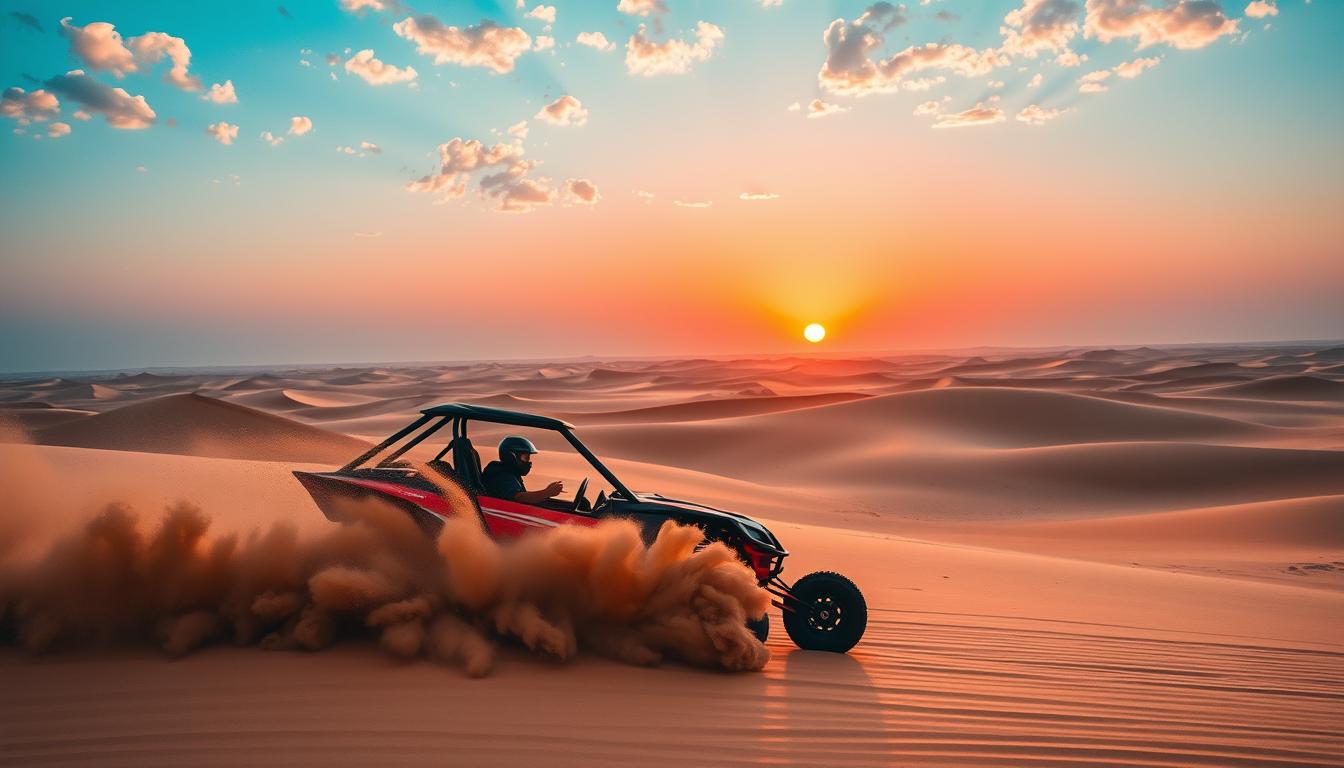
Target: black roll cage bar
column 459, row 414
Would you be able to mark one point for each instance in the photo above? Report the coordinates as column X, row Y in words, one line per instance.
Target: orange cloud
column 221, row 93
column 1040, row 25
column 977, row 115
column 673, row 57
column 375, row 72
column 1184, row 24
column 486, row 45
column 565, row 110
column 223, row 132
column 26, row 108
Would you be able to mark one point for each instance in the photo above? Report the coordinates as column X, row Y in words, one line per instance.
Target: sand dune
column 711, row 409
column 256, row 382
column 63, row 391
column 949, row 417
column 1287, row 388
column 40, row 416
column 1107, row 478
column 201, row 426
column 972, row 657
column 1080, row 557
column 1310, row 524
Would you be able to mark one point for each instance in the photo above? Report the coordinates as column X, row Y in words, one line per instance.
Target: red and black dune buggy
column 822, row 611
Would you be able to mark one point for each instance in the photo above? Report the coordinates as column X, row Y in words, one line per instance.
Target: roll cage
column 465, row 460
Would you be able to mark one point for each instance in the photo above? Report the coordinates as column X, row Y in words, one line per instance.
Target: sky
column 368, row 180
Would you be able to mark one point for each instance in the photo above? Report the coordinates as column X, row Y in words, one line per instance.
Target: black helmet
column 510, row 447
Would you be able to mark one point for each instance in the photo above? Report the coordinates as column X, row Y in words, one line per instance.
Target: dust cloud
column 121, row 582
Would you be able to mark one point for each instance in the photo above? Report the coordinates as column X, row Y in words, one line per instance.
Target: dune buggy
column 821, row 611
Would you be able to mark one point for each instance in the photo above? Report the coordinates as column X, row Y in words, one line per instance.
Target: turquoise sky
column 1197, row 201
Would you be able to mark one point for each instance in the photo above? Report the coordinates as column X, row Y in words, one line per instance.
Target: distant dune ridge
column 1082, row 556
column 197, row 425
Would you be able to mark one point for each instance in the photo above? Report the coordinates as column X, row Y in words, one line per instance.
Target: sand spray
column 558, row 592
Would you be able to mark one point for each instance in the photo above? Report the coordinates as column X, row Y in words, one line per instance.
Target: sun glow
column 814, row 332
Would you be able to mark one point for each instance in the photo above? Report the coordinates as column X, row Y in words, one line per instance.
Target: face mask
column 520, row 466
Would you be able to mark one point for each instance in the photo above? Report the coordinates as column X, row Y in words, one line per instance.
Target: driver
column 504, row 478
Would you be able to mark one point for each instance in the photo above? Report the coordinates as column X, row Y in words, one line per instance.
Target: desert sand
column 1085, row 556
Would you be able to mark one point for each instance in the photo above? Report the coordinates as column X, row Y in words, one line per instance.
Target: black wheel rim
column 824, row 615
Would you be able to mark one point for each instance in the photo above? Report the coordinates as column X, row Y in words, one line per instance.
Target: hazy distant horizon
column 813, row 352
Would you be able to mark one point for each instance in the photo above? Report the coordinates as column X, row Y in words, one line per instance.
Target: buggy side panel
column 507, row 519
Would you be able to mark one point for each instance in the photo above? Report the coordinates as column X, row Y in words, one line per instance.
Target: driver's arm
column 533, row 497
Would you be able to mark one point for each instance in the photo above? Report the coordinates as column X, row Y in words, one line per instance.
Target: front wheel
column 829, row 613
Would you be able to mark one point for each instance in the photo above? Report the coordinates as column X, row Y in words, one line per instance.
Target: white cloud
column 1070, row 59
column 1132, row 69
column 458, row 159
column 1183, row 24
column 1035, row 81
column 100, row 47
column 98, row 44
column 485, row 45
column 504, row 177
column 648, row 58
column 928, row 108
column 375, row 72
column 642, row 7
column 1094, row 82
column 849, row 68
column 595, row 40
column 1034, row 114
column 977, row 115
column 518, row 130
column 153, row 46
column 119, row 108
column 223, row 132
column 365, row 148
column 819, row 108
column 1259, row 9
column 221, row 93
column 565, row 110
column 25, row 108
column 1040, row 25
column 272, row 139
column 356, row 5
column 299, row 125
column 544, row 13
column 58, row 129
column 80, row 114
column 693, row 203
column 758, row 196
column 543, row 43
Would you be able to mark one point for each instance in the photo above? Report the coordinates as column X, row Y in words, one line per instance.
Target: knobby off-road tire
column 829, row 613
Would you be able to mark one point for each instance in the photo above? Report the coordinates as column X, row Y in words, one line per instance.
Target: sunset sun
column 814, row 332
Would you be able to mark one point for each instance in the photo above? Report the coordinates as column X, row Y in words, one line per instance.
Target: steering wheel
column 580, row 503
